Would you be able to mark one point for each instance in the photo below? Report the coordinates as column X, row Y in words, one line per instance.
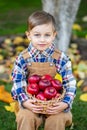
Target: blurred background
column 13, row 24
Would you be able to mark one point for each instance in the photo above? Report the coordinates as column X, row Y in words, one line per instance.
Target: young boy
column 41, row 58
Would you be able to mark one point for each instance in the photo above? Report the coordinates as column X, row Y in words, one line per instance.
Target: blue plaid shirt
column 63, row 65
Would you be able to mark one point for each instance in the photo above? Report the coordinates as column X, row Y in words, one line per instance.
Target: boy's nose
column 42, row 38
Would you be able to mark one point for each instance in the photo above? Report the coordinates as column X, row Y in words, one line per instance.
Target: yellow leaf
column 8, row 108
column 11, row 107
column 86, row 36
column 83, row 97
column 58, row 77
column 8, row 41
column 80, row 83
column 19, row 48
column 77, row 27
column 1, row 57
column 12, row 104
column 26, row 41
column 74, row 46
column 18, row 40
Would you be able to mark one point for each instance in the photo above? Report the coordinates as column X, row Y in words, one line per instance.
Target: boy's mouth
column 42, row 45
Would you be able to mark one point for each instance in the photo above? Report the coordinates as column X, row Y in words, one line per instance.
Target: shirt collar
column 34, row 52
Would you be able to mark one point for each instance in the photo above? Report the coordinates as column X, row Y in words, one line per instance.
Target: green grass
column 14, row 14
column 79, row 110
column 7, row 119
column 82, row 11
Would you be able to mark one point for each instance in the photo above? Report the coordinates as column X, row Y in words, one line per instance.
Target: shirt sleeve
column 19, row 75
column 69, row 82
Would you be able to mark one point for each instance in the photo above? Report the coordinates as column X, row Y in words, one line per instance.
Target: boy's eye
column 47, row 35
column 36, row 35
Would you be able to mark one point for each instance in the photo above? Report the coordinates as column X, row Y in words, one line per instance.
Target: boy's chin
column 41, row 49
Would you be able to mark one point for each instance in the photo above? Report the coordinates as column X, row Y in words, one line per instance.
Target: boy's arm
column 19, row 80
column 69, row 83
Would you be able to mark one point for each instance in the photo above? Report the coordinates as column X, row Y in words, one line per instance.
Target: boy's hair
column 39, row 18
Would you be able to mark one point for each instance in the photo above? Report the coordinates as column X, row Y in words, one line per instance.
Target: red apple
column 50, row 92
column 34, row 79
column 57, row 95
column 56, row 84
column 33, row 89
column 47, row 76
column 41, row 96
column 44, row 83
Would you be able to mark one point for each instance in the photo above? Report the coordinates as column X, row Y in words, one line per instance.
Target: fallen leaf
column 11, row 107
column 77, row 27
column 84, row 19
column 83, row 97
column 80, row 83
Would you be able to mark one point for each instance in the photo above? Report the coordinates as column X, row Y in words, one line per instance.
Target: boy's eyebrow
column 36, row 32
column 39, row 32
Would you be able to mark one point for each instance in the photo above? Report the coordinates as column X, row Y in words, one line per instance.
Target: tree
column 64, row 12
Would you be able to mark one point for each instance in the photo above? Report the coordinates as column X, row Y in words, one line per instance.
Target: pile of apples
column 44, row 87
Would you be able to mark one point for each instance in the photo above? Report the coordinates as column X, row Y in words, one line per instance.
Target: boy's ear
column 28, row 35
column 55, row 33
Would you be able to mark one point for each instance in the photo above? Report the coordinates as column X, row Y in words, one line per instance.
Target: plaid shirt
column 63, row 65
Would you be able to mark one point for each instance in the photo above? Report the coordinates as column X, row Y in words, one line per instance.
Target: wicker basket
column 46, row 103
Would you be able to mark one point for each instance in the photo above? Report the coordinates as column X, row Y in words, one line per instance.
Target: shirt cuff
column 22, row 97
column 69, row 102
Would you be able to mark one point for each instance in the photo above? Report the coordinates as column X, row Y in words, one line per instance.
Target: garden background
column 13, row 17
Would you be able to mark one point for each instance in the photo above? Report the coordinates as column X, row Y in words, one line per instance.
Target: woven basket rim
column 46, row 102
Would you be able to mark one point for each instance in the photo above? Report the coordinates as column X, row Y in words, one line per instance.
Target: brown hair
column 39, row 18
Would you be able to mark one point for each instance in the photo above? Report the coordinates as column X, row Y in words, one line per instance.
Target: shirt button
column 51, row 64
column 29, row 63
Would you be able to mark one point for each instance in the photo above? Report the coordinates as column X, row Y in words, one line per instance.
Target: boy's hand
column 30, row 104
column 57, row 108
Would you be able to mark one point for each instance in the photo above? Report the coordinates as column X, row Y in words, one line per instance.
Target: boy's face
column 41, row 36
